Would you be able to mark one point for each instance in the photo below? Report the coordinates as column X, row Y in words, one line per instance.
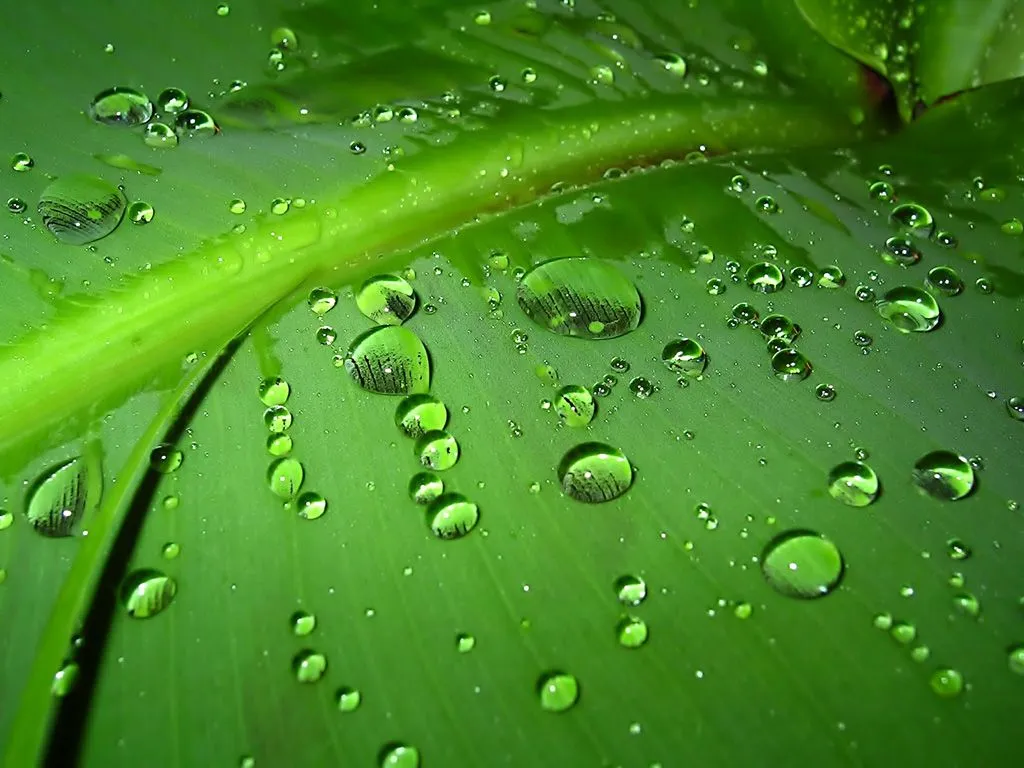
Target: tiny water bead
column 321, row 300
column 302, row 623
column 418, row 414
column 147, row 592
column 853, row 483
column 944, row 475
column 630, row 589
column 631, row 632
column 452, row 516
column 437, row 450
column 277, row 419
column 348, row 699
column 945, row 280
column 557, row 691
column 80, row 209
column 274, row 391
column 909, row 309
column 947, row 682
column 121, row 106
column 765, row 277
column 790, row 365
column 595, row 472
column 685, row 357
column 284, row 477
column 914, row 218
column 900, row 250
column 386, row 299
column 311, row 505
column 396, row 755
column 575, row 405
column 424, row 487
column 309, row 666
column 582, row 297
column 802, row 564
column 389, row 360
column 165, row 459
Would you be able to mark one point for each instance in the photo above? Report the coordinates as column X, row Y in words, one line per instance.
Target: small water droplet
column 685, row 357
column 790, row 365
column 437, row 450
column 311, row 505
column 900, row 250
column 631, row 632
column 159, row 136
column 914, row 218
column 348, row 699
column 308, row 666
column 557, row 691
column 386, row 299
column 195, row 123
column 22, row 162
column 389, row 360
column 947, row 682
column 825, row 392
column 464, row 642
column 147, row 592
column 285, row 477
column 831, row 277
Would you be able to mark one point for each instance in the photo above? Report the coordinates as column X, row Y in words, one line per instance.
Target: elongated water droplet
column 803, row 564
column 853, row 483
column 944, row 475
column 386, row 299
column 594, row 473
column 79, row 209
column 147, row 592
column 121, row 106
column 557, row 691
column 389, row 360
column 580, row 297
column 62, row 497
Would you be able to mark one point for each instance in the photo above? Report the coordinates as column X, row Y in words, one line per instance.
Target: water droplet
column 619, row 364
column 80, row 209
column 395, row 755
column 557, row 691
column 437, row 450
column 957, row 550
column 452, row 515
column 16, row 205
column 803, row 564
column 766, row 204
column 900, row 250
column 580, row 297
column 802, row 277
column 159, row 136
column 170, row 550
column 311, row 505
column 146, row 592
column 914, row 218
column 171, row 101
column 389, row 360
column 765, row 277
column 1016, row 659
column 6, row 519
column 322, row 300
column 945, row 280
column 277, row 418
column 909, row 309
column 140, row 212
column 944, row 475
column 386, row 299
column 279, row 444
column 882, row 190
column 464, row 642
column 790, row 365
column 284, row 39
column 967, row 604
column 780, row 327
column 61, row 497
column 121, row 106
column 326, row 335
column 631, row 590
column 825, row 392
column 279, row 206
column 947, row 682
column 594, row 473
column 685, row 357
column 424, row 487
column 285, row 477
column 831, row 277
column 715, row 287
column 274, row 391
column 739, row 183
column 853, row 483
column 631, row 632
column 903, row 632
column 575, row 405
column 22, row 162
column 348, row 699
column 1015, row 407
column 165, row 458
column 195, row 122
column 64, row 680
column 418, row 414
column 308, row 666
column 1012, row 226
column 984, row 286
column 745, row 313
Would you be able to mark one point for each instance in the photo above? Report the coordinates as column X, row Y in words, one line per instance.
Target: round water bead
column 79, row 209
column 386, row 299
column 790, row 365
column 631, row 632
column 308, row 666
column 277, row 419
column 146, row 592
column 909, row 309
column 853, row 483
column 320, row 300
column 121, row 106
column 901, row 250
column 947, row 682
column 594, row 473
column 389, row 360
column 630, row 589
column 437, row 450
column 944, row 475
column 765, row 277
column 831, row 277
column 140, row 212
column 557, row 691
column 396, row 755
column 171, row 101
column 274, row 390
column 284, row 477
column 421, row 413
column 1015, row 407
column 424, row 487
column 802, row 564
column 780, row 327
column 745, row 313
column 685, row 357
column 311, row 505
column 582, row 297
column 801, row 276
column 945, row 280
column 575, row 405
column 452, row 516
column 914, row 218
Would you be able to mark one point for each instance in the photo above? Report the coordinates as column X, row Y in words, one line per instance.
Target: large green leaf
column 769, row 149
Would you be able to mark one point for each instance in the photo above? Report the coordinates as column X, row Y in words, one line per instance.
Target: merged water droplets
column 389, row 360
column 595, row 472
column 80, row 209
column 386, row 299
column 581, row 297
column 802, row 564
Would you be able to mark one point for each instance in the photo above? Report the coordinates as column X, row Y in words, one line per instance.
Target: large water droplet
column 386, row 299
column 907, row 308
column 80, row 209
column 580, row 297
column 595, row 472
column 421, row 413
column 61, row 497
column 801, row 563
column 557, row 691
column 853, row 483
column 121, row 106
column 389, row 360
column 765, row 277
column 147, row 592
column 944, row 475
column 452, row 515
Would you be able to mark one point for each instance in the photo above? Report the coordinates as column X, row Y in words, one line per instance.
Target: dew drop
column 311, row 505
column 944, row 475
column 557, row 691
column 452, row 516
column 60, row 498
column 159, row 136
column 631, row 632
column 1015, row 407
column 594, row 473
column 285, row 478
column 22, row 162
column 396, row 755
column 909, row 309
column 165, row 459
column 914, row 218
column 302, row 623
column 195, row 122
column 389, row 360
column 64, row 680
column 945, row 280
column 853, row 483
column 421, row 413
column 80, row 209
column 765, row 277
column 1015, row 658
column 802, row 564
column 274, row 391
column 790, row 365
column 424, row 487
column 831, row 277
column 386, row 299
column 685, row 357
column 308, row 666
column 780, row 327
column 947, row 682
column 348, row 699
column 146, row 592
column 575, row 405
column 121, row 106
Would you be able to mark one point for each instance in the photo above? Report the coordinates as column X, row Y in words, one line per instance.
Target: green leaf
column 927, row 51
